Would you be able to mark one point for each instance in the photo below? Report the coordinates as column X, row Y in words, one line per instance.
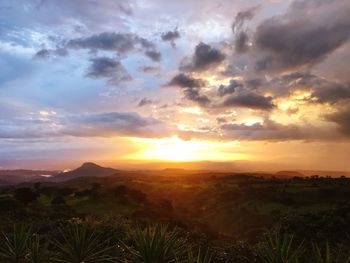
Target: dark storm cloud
column 284, row 85
column 299, row 77
column 229, row 89
column 185, row 81
column 43, row 53
column 194, row 94
column 248, row 100
column 115, row 42
column 144, row 102
column 331, row 93
column 255, row 83
column 322, row 90
column 241, row 42
column 191, row 88
column 171, row 36
column 304, row 36
column 267, row 130
column 221, row 120
column 108, row 68
column 204, row 57
column 342, row 119
column 154, row 55
column 150, row 69
column 46, row 53
column 107, row 41
column 244, row 16
column 243, row 98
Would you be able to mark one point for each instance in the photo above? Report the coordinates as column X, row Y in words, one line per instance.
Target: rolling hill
column 86, row 170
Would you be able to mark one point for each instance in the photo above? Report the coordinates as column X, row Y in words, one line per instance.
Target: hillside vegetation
column 177, row 217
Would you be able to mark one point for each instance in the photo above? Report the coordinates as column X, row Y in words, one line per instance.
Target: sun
column 176, row 150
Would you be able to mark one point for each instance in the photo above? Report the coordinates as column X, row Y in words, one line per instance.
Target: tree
column 166, row 206
column 37, row 186
column 94, row 191
column 25, row 195
column 48, row 190
column 121, row 191
column 65, row 191
column 9, row 204
column 58, row 200
column 138, row 196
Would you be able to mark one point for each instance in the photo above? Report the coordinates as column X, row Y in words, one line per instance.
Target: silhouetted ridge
column 87, row 169
column 90, row 165
column 290, row 173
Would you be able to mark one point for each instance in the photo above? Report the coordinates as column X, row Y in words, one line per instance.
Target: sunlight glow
column 176, row 149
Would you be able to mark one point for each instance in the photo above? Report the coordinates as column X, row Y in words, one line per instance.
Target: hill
column 23, row 175
column 290, row 174
column 88, row 169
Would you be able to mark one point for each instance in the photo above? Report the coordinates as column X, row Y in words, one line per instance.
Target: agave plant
column 13, row 247
column 155, row 245
column 37, row 251
column 326, row 256
column 80, row 243
column 279, row 248
column 201, row 257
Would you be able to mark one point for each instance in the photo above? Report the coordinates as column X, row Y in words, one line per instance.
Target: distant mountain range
column 290, row 173
column 90, row 169
column 22, row 175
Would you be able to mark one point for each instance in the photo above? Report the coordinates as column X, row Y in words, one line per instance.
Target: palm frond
column 155, row 244
column 279, row 248
column 200, row 257
column 81, row 243
column 13, row 246
column 37, row 251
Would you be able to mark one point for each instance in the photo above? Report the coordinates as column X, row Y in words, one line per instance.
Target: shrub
column 279, row 248
column 38, row 251
column 201, row 257
column 13, row 246
column 155, row 244
column 25, row 195
column 326, row 256
column 58, row 200
column 80, row 243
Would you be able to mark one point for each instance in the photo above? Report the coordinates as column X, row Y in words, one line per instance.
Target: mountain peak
column 89, row 169
column 89, row 165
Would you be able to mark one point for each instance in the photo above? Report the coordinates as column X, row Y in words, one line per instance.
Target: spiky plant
column 37, row 251
column 279, row 248
column 155, row 244
column 201, row 257
column 80, row 243
column 13, row 246
column 326, row 255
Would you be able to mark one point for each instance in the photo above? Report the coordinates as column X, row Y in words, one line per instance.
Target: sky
column 176, row 81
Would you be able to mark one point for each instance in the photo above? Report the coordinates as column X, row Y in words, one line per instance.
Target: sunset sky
column 187, row 80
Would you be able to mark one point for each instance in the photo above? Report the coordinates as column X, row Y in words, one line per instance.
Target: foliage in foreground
column 14, row 246
column 155, row 245
column 280, row 248
column 201, row 257
column 80, row 242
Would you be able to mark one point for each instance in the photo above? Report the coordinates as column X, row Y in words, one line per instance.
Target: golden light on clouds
column 176, row 149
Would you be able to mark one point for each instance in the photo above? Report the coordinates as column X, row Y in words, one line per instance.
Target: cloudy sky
column 187, row 80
